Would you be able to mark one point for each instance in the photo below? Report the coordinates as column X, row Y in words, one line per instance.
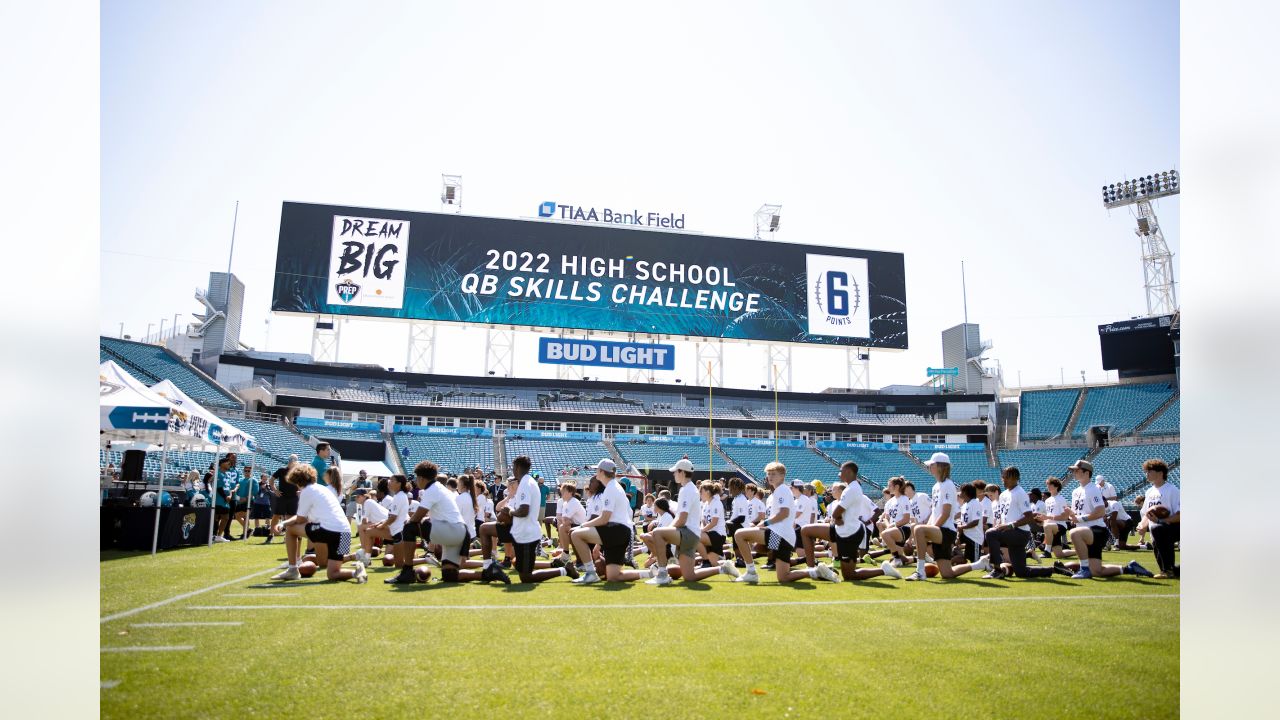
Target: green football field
column 202, row 632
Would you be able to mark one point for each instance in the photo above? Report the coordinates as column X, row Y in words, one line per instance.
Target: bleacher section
column 590, row 406
column 1122, row 406
column 1037, row 466
column 451, row 454
column 660, row 456
column 1168, row 422
column 275, row 440
column 719, row 411
column 1123, row 465
column 802, row 463
column 1044, row 413
column 152, row 363
column 966, row 466
column 549, row 456
column 880, row 465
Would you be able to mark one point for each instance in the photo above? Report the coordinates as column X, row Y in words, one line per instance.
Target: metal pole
column 711, row 432
column 121, row 335
column 776, row 439
column 231, row 254
column 964, row 293
column 164, row 458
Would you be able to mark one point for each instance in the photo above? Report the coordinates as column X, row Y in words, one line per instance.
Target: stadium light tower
column 768, row 217
column 1157, row 261
column 451, row 193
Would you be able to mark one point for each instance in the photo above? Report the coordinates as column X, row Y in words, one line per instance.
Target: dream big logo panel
column 366, row 262
column 837, row 288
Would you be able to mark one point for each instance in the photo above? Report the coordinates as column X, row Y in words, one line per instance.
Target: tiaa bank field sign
column 606, row 353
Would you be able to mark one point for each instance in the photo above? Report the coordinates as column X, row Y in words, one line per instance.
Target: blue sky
column 980, row 132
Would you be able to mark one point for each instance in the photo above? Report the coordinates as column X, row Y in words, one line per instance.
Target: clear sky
column 963, row 131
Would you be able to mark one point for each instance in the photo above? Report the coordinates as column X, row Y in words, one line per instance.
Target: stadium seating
column 1037, row 466
column 1121, row 406
column 275, row 440
column 1168, row 422
column 590, row 406
column 666, row 410
column 451, row 454
column 966, row 466
column 660, row 456
column 1044, row 413
column 343, row 434
column 152, row 363
column 880, row 465
column 550, row 455
column 1123, row 465
column 802, row 463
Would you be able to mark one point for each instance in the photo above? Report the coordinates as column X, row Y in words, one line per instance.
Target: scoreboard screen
column 1138, row 347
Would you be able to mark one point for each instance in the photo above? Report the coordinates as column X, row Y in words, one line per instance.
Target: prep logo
column 347, row 290
column 367, row 258
column 547, row 209
column 837, row 296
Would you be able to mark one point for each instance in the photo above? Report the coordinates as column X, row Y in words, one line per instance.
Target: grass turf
column 1046, row 648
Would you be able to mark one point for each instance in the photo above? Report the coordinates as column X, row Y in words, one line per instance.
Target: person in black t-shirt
column 285, row 503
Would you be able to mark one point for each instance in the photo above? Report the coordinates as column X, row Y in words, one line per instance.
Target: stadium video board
column 455, row 268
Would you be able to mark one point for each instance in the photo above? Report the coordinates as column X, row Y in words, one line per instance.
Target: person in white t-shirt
column 321, row 520
column 498, row 530
column 1108, row 490
column 611, row 530
column 740, row 513
column 1089, row 536
column 526, row 533
column 1054, row 519
column 712, row 526
column 1120, row 524
column 647, row 513
column 384, row 517
column 1014, row 518
column 1162, row 514
column 570, row 513
column 897, row 520
column 684, row 533
column 755, row 504
column 448, row 530
column 777, row 534
column 969, row 526
column 936, row 535
column 847, row 532
column 988, row 496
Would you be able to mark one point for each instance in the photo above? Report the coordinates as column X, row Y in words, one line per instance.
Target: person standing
column 1162, row 515
column 285, row 503
column 321, row 461
column 227, row 481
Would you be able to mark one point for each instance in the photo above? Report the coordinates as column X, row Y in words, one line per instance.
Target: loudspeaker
column 131, row 466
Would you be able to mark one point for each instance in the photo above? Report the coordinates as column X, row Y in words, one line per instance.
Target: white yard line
column 108, row 684
column 261, row 594
column 148, row 648
column 183, row 596
column 227, row 624
column 656, row 606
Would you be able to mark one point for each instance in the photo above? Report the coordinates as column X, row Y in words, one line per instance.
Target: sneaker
column 571, row 571
column 541, row 552
column 739, row 564
column 826, row 573
column 582, row 569
column 1046, row 554
column 1061, row 568
column 588, row 578
column 431, row 560
column 1164, row 576
column 362, row 576
column 288, row 574
column 915, row 576
column 896, row 562
column 653, row 571
column 220, row 539
column 995, row 574
column 1083, row 574
column 1143, row 546
column 890, row 571
column 558, row 562
column 283, row 565
column 506, row 564
column 361, row 557
column 659, row 579
column 269, row 539
column 770, row 566
column 727, row 568
column 750, row 576
column 1138, row 570
column 984, row 563
column 495, row 574
column 404, row 577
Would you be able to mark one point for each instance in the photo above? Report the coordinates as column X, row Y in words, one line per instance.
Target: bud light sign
column 560, row 351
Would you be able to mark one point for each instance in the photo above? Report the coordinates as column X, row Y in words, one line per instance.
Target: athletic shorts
column 688, row 542
column 972, row 551
column 733, row 527
column 548, row 512
column 943, row 549
column 452, row 537
column 906, row 533
column 615, row 539
column 1100, row 537
column 504, row 534
column 260, row 511
column 849, row 549
column 716, row 544
column 337, row 543
column 409, row 533
column 398, row 537
column 1060, row 537
column 526, row 555
column 781, row 548
column 285, row 505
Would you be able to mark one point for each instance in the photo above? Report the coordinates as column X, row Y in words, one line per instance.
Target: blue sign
column 583, row 213
column 939, row 447
column 606, row 353
column 553, row 435
column 761, row 442
column 847, row 445
column 450, row 431
column 931, row 372
column 660, row 439
column 337, row 424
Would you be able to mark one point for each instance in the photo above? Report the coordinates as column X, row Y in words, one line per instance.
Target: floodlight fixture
column 768, row 218
column 451, row 192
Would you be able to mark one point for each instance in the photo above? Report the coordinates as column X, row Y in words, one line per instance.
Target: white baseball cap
column 606, row 465
column 683, row 464
column 939, row 458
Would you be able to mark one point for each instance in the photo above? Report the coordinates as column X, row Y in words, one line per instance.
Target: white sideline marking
column 654, row 606
column 183, row 596
column 148, row 648
column 260, row 594
column 227, row 624
column 108, row 684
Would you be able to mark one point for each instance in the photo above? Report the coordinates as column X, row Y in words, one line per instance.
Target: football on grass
column 388, row 560
column 930, row 570
column 423, row 573
column 306, row 568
